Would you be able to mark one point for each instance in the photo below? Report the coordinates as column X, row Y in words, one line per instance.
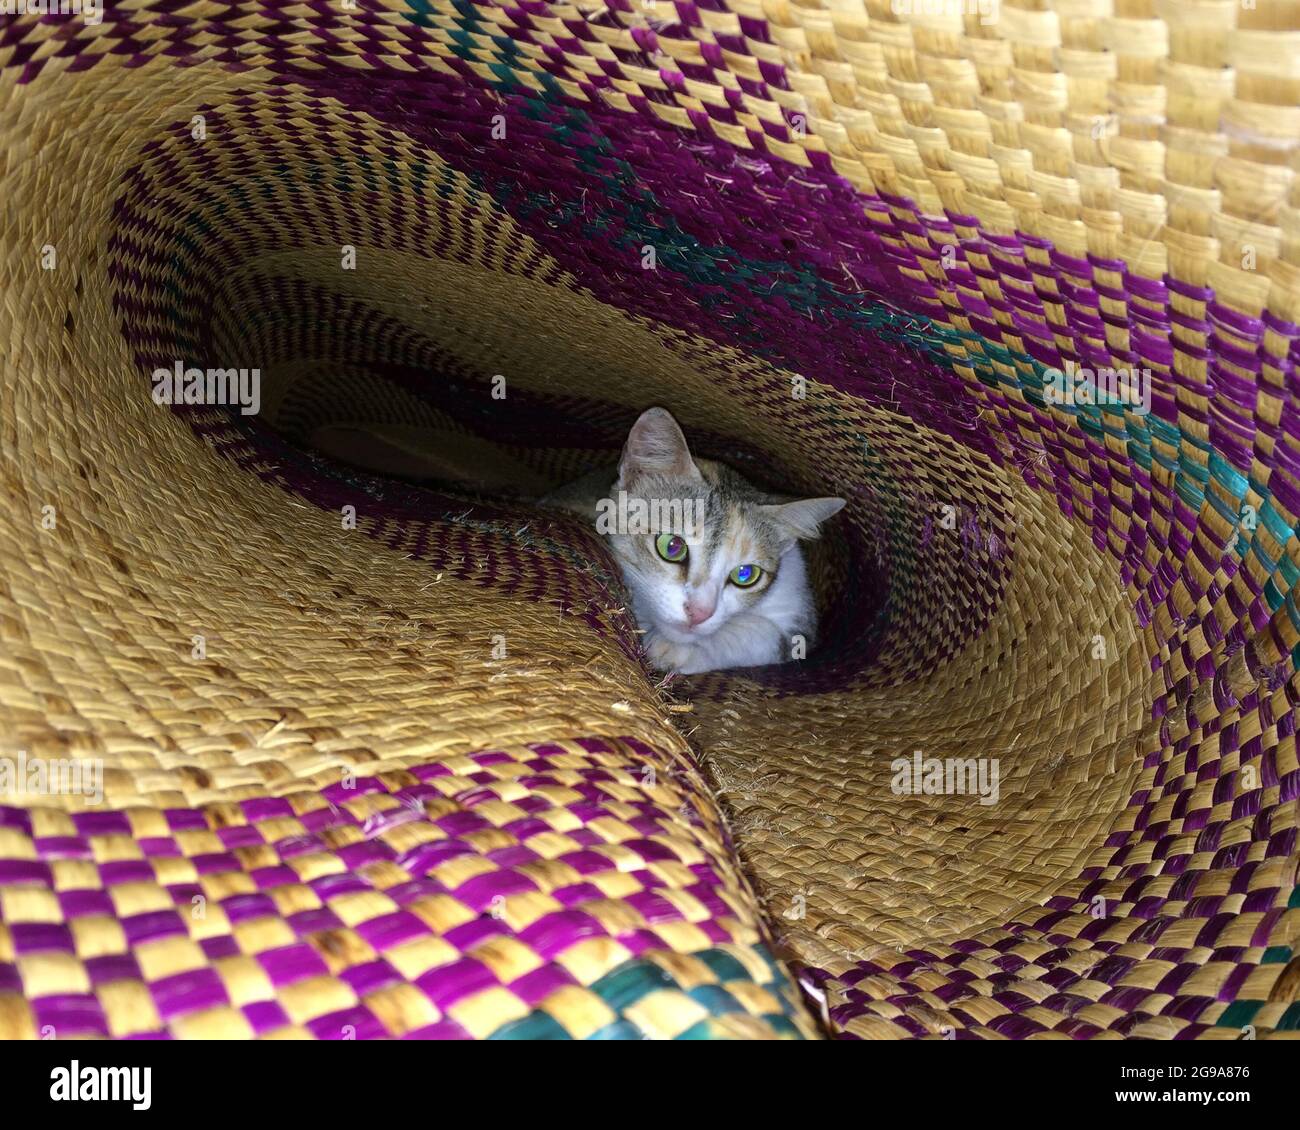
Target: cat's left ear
column 655, row 445
column 803, row 519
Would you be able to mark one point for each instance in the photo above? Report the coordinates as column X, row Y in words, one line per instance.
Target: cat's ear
column 655, row 445
column 803, row 518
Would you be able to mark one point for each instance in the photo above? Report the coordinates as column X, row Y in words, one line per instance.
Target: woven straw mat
column 289, row 748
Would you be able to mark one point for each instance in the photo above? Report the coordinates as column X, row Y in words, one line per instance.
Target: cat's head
column 697, row 543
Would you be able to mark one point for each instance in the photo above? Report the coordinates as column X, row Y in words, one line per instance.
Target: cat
column 713, row 565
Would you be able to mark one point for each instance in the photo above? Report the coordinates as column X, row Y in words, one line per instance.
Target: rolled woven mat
column 312, row 725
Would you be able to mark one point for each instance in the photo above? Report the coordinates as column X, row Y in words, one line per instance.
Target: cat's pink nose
column 698, row 613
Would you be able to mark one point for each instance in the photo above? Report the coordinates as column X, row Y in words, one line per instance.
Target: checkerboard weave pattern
column 542, row 892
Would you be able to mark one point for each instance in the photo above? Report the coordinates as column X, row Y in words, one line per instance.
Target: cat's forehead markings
column 738, row 545
column 742, row 536
column 710, row 526
column 710, row 543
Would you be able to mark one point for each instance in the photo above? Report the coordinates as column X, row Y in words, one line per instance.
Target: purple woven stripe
column 366, row 958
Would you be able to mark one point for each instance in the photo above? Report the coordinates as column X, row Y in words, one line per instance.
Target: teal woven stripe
column 631, row 218
column 633, row 981
column 640, row 221
column 1239, row 1014
column 536, row 1026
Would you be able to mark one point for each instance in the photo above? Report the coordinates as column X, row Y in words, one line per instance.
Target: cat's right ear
column 655, row 445
column 803, row 519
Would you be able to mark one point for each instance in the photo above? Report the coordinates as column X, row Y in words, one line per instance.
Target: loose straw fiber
column 381, row 759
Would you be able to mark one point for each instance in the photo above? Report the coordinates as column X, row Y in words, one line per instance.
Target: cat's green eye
column 742, row 576
column 671, row 548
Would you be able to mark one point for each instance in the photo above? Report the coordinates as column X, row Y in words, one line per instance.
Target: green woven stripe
column 1239, row 1014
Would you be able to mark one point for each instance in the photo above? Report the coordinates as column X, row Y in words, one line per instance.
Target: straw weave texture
column 380, row 758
